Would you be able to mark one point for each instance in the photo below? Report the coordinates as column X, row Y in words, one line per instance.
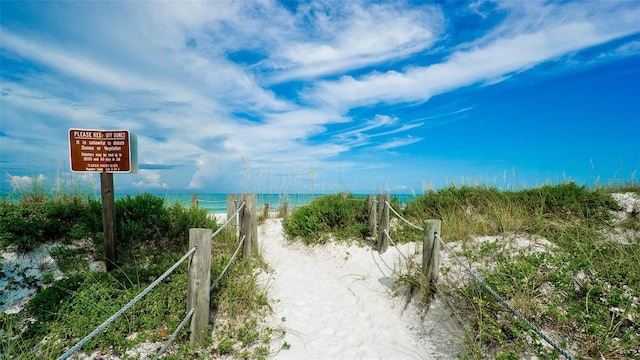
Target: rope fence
column 233, row 257
column 198, row 275
column 229, row 220
column 402, row 218
column 107, row 322
column 394, row 245
column 484, row 285
column 504, row 303
column 175, row 334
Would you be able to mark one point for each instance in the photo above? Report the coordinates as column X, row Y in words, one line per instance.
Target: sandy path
column 338, row 305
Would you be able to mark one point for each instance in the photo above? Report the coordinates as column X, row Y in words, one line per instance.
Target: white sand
column 337, row 303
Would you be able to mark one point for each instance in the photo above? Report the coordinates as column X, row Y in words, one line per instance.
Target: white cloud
column 151, row 179
column 397, row 142
column 486, row 63
column 72, row 64
column 26, row 183
column 354, row 36
column 169, row 72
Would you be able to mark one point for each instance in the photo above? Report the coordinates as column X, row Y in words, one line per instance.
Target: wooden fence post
column 383, row 223
column 199, row 283
column 431, row 250
column 247, row 222
column 373, row 214
column 232, row 207
column 285, row 210
column 108, row 220
column 194, row 200
column 254, row 224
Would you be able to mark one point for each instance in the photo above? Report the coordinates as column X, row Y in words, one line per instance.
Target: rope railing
column 211, row 201
column 228, row 220
column 194, row 314
column 485, row 286
column 104, row 325
column 394, row 244
column 402, row 218
column 504, row 303
column 233, row 257
column 175, row 333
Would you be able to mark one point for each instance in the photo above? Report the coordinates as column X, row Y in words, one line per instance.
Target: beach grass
column 152, row 237
column 581, row 287
column 565, row 256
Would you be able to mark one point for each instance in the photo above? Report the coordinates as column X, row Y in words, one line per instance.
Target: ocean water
column 217, row 203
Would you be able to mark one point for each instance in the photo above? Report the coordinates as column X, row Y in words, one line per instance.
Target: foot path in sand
column 336, row 302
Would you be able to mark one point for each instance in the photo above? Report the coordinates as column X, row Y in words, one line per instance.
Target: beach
column 337, row 301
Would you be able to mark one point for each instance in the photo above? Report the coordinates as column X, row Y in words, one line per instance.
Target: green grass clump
column 341, row 215
column 471, row 211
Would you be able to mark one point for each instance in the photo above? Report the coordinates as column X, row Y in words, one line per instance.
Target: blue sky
column 324, row 96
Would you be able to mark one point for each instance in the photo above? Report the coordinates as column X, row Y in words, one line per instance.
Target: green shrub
column 21, row 225
column 28, row 224
column 182, row 219
column 140, row 218
column 146, row 228
column 340, row 214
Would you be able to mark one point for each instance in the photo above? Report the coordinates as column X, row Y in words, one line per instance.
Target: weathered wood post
column 247, row 222
column 194, row 200
column 254, row 225
column 383, row 222
column 285, row 210
column 108, row 220
column 198, row 284
column 430, row 251
column 373, row 221
column 232, row 206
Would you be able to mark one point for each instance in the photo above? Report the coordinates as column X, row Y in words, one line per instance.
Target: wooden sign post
column 108, row 220
column 105, row 152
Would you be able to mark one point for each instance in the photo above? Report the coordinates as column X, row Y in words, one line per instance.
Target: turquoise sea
column 217, row 203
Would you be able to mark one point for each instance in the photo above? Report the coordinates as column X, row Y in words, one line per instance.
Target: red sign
column 107, row 151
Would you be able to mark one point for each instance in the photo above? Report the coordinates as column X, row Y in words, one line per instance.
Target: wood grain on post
column 246, row 223
column 232, row 207
column 285, row 210
column 198, row 293
column 383, row 222
column 431, row 251
column 108, row 220
column 373, row 214
column 254, row 223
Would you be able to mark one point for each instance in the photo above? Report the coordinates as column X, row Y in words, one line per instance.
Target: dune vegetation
column 565, row 256
column 73, row 300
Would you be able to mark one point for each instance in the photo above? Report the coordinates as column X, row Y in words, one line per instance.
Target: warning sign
column 107, row 151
